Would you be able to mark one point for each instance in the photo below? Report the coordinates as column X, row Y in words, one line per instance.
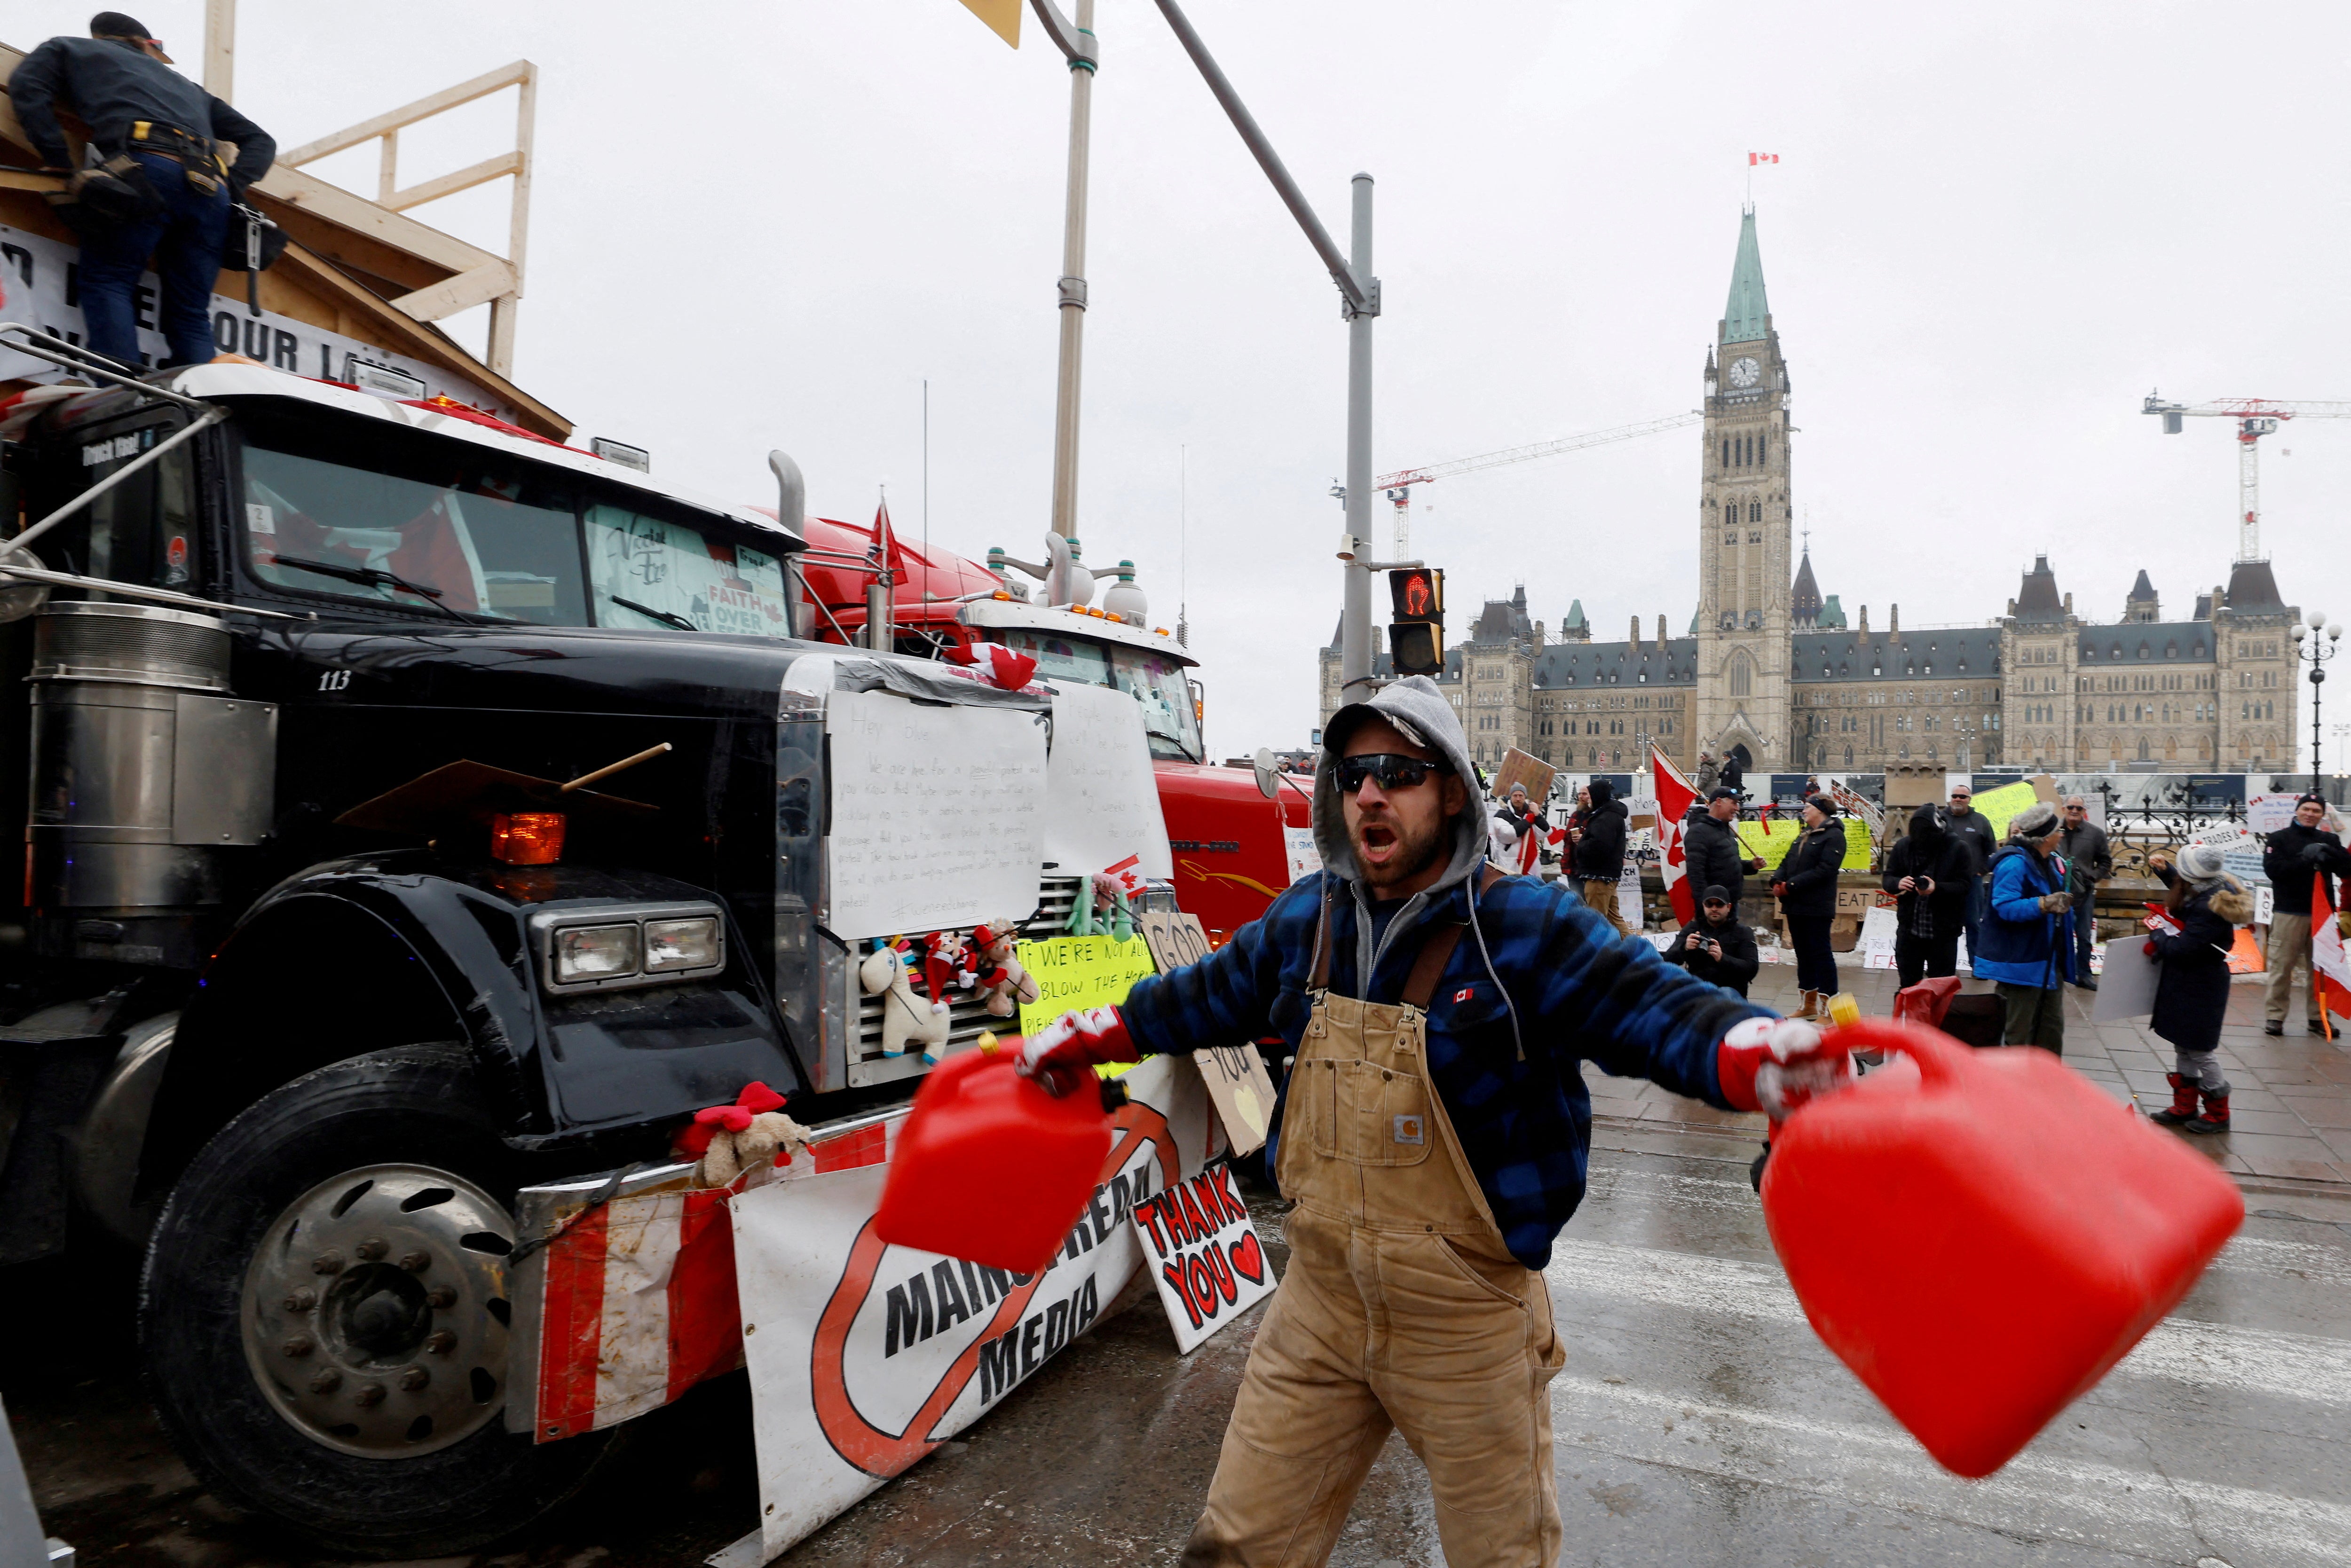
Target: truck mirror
column 1268, row 783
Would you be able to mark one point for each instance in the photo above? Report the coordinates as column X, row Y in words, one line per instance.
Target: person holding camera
column 1715, row 946
column 1932, row 876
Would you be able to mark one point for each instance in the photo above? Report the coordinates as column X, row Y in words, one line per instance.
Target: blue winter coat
column 2020, row 943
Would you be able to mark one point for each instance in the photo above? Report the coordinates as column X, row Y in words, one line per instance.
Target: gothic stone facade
column 1772, row 669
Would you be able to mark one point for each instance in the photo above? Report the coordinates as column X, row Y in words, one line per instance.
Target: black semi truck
column 313, row 961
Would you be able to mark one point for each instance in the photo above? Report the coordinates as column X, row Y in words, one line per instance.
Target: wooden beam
column 220, row 49
column 28, row 179
column 479, row 286
column 368, row 129
column 338, row 205
column 465, row 179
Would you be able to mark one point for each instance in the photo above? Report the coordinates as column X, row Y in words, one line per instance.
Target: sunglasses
column 1393, row 770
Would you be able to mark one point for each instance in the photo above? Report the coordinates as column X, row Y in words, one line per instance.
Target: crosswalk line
column 2101, row 1505
column 2213, row 1356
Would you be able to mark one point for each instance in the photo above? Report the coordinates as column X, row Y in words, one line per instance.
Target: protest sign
column 1628, row 896
column 1174, row 940
column 1298, row 844
column 1997, row 807
column 2126, row 988
column 1242, row 1091
column 1204, row 1254
column 865, row 1357
column 1523, row 767
column 1077, row 972
column 1775, row 838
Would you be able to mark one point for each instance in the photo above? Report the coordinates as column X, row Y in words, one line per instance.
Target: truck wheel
column 324, row 1315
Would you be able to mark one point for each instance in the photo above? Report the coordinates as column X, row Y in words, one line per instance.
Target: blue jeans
column 186, row 243
column 1979, row 899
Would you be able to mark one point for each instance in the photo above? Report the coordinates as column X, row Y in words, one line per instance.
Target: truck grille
column 965, row 1017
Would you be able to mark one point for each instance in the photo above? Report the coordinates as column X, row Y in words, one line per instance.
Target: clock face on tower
column 1745, row 372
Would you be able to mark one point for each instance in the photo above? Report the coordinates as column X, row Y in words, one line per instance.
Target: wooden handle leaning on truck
column 647, row 755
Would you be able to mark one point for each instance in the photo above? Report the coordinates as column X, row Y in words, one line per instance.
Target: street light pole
column 1072, row 283
column 2319, row 642
column 1359, row 294
column 1355, row 605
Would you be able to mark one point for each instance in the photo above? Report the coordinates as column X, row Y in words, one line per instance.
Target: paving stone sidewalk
column 2290, row 1100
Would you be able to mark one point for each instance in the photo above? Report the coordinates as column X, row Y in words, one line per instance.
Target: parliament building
column 1771, row 670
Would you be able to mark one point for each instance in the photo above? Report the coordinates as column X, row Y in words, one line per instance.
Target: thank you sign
column 1203, row 1254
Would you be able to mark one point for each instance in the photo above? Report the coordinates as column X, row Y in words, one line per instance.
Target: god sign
column 1204, row 1253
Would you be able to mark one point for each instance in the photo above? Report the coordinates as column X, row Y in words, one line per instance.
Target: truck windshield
column 1151, row 679
column 492, row 534
column 1169, row 719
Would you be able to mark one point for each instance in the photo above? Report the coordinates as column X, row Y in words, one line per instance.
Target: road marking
column 2095, row 1504
column 2209, row 1354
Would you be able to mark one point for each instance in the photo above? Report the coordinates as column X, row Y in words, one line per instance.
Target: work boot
column 1811, row 1008
column 2215, row 1118
column 2183, row 1102
column 2274, row 1027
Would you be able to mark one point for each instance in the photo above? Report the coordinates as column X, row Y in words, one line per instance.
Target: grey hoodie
column 1416, row 706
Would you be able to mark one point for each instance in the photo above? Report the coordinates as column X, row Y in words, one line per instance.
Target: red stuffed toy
column 728, row 1140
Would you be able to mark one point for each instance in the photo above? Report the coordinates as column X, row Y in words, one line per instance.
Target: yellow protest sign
column 1077, row 972
column 1998, row 806
column 1775, row 838
column 1002, row 17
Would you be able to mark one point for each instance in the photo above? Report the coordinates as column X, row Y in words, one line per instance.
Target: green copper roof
column 1743, row 319
column 1831, row 614
column 1574, row 617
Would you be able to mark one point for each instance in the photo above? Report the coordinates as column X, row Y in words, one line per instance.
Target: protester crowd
column 2024, row 900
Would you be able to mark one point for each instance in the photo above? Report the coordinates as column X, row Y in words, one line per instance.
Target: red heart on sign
column 1248, row 1259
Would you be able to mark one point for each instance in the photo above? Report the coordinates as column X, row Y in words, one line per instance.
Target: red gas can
column 989, row 1168
column 1981, row 1240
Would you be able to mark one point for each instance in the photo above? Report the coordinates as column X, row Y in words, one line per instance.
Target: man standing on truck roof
column 160, row 187
column 1432, row 1134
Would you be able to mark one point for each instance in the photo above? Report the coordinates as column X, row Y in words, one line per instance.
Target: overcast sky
column 1994, row 229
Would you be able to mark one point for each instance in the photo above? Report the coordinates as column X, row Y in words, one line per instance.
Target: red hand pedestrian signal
column 1418, row 593
column 1416, row 634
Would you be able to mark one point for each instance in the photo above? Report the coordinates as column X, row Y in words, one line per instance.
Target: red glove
column 2148, row 946
column 1775, row 1065
column 1064, row 1053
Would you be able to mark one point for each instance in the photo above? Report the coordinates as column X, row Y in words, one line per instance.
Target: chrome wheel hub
column 375, row 1312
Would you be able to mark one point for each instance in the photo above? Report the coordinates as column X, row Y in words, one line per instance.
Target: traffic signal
column 1416, row 634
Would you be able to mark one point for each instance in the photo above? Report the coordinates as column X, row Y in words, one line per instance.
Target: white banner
column 865, row 1357
column 1102, row 799
column 39, row 284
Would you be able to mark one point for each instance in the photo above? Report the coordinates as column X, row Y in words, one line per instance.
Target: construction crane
column 2255, row 417
column 1399, row 484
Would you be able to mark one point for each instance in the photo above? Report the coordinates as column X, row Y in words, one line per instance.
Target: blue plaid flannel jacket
column 1581, row 993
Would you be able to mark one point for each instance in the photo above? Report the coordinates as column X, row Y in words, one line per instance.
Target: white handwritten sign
column 937, row 814
column 1104, row 798
column 1204, row 1254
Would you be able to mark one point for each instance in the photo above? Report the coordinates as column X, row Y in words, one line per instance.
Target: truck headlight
column 595, row 952
column 681, row 944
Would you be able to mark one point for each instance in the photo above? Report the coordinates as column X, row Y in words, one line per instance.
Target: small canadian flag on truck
column 1128, row 874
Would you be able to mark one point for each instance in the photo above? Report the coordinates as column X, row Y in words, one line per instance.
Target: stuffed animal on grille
column 947, row 968
column 905, row 1016
column 725, row 1141
column 1003, row 983
column 1105, row 914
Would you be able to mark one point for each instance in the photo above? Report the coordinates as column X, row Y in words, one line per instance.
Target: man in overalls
column 1432, row 1134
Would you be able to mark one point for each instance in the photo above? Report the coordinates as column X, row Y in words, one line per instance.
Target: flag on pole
column 1752, row 158
column 887, row 546
column 1676, row 796
column 1002, row 17
column 2328, row 965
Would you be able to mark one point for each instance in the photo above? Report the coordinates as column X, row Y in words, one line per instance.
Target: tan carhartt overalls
column 1401, row 1307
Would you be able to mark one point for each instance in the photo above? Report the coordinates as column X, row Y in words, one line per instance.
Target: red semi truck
column 1233, row 848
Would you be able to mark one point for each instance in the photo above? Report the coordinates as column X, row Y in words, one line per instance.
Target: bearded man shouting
column 1432, row 1132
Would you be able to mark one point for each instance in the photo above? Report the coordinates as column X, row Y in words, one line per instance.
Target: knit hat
column 2034, row 822
column 2201, row 865
column 1823, row 805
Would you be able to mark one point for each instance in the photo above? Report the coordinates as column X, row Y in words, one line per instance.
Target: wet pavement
column 1699, row 1419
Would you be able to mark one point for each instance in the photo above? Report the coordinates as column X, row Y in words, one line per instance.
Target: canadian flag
column 2327, row 961
column 1676, row 796
column 1128, row 874
column 1755, row 158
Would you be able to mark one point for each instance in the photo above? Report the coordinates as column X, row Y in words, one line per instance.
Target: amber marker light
column 527, row 838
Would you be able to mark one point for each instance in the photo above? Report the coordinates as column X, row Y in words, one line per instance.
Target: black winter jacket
column 2291, row 855
column 1712, row 856
column 2191, row 994
column 112, row 85
column 1974, row 831
column 1810, row 871
column 1740, row 960
column 1600, row 853
column 1935, row 855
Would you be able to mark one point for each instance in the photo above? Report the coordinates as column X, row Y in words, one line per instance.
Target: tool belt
column 199, row 156
column 110, row 195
